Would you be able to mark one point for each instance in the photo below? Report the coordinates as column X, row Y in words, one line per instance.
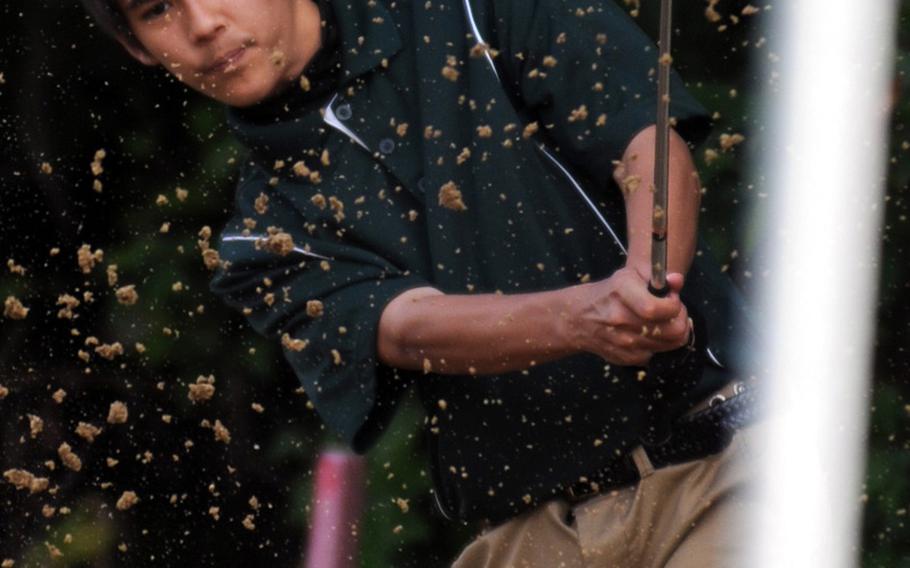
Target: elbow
column 388, row 349
column 398, row 317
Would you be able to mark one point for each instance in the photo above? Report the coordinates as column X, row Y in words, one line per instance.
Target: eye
column 155, row 10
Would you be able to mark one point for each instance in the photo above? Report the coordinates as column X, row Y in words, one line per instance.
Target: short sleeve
column 276, row 270
column 589, row 74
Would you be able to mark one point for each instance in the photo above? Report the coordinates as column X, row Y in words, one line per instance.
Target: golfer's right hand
column 620, row 320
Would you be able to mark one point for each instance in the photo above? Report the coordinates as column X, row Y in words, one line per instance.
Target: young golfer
column 454, row 196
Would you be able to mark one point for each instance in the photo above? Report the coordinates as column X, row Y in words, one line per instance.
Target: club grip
column 659, row 292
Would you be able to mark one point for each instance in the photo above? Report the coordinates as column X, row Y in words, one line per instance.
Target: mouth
column 227, row 62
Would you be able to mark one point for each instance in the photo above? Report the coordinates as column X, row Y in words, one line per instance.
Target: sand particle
column 278, row 242
column 127, row 295
column 13, row 309
column 127, row 500
column 68, row 457
column 23, row 479
column 87, row 259
column 35, row 425
column 87, row 431
column 118, row 413
column 450, row 197
column 315, row 308
column 248, row 523
column 222, row 434
column 203, row 390
column 293, row 344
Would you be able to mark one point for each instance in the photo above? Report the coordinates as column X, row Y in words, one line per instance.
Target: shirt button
column 423, row 184
column 343, row 112
column 386, row 145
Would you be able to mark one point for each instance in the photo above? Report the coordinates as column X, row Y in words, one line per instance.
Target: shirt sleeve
column 588, row 73
column 274, row 270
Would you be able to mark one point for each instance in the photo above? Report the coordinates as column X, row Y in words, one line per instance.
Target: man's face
column 238, row 52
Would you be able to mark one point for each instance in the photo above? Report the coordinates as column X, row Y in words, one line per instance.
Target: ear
column 136, row 51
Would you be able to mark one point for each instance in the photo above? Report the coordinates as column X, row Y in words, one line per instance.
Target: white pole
column 826, row 163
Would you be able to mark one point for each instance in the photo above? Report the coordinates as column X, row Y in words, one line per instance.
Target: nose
column 204, row 19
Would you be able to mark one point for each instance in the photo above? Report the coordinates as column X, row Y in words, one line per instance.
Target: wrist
column 641, row 264
column 569, row 331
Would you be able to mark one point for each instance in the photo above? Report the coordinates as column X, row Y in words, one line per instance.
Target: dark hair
column 110, row 19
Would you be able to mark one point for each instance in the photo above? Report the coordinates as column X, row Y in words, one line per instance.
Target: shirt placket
column 398, row 155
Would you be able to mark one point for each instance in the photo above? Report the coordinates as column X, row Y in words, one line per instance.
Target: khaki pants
column 686, row 515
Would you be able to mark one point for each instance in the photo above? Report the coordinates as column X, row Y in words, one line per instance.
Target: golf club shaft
column 658, row 284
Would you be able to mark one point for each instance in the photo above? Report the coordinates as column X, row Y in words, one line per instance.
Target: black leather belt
column 695, row 436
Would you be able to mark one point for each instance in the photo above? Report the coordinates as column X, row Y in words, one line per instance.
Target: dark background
column 68, row 92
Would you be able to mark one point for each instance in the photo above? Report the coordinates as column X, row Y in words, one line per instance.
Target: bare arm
column 494, row 333
column 635, row 175
column 616, row 318
column 476, row 334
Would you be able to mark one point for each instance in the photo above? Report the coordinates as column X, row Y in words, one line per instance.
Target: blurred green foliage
column 69, row 92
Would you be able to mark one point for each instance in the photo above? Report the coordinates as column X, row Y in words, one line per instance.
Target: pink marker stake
column 338, row 497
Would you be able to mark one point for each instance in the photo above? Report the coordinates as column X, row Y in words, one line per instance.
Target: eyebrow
column 133, row 4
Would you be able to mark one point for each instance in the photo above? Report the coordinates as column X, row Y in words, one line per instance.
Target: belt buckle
column 729, row 392
column 735, row 389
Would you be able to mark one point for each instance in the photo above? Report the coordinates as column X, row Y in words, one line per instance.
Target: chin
column 247, row 86
column 241, row 99
column 243, row 95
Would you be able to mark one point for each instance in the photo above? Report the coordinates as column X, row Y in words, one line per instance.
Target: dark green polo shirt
column 414, row 109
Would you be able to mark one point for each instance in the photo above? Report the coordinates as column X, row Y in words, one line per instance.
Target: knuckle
column 614, row 318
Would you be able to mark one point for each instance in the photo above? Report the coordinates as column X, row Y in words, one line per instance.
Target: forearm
column 636, row 178
column 424, row 329
column 475, row 334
